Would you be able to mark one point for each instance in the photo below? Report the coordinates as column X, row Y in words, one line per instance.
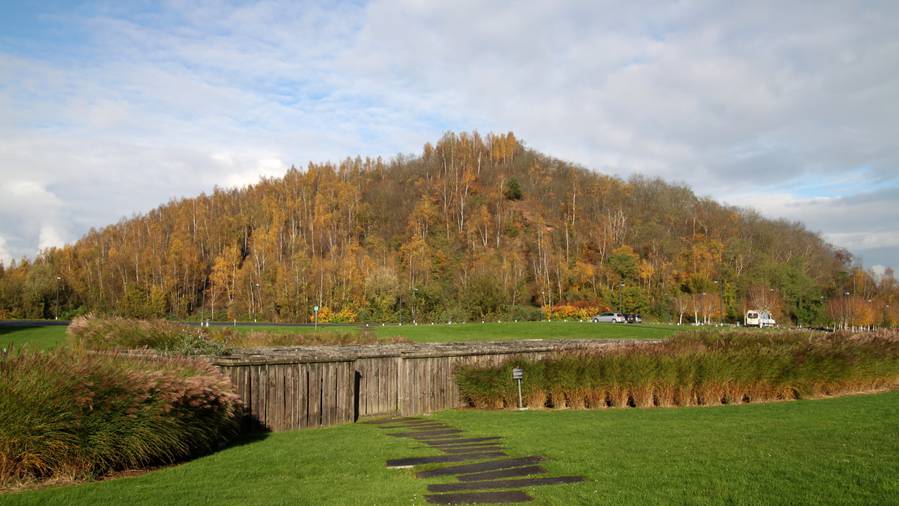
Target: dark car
column 633, row 318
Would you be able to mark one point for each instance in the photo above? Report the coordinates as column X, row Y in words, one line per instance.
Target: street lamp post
column 620, row 292
column 845, row 310
column 720, row 298
column 58, row 279
column 254, row 301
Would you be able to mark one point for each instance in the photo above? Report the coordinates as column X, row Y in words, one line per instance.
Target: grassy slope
column 836, row 451
column 35, row 338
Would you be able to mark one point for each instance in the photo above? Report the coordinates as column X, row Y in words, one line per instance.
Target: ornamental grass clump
column 110, row 334
column 699, row 368
column 67, row 415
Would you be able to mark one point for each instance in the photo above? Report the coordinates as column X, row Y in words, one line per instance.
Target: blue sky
column 110, row 108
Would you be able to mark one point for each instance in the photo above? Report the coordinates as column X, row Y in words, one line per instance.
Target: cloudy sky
column 108, row 109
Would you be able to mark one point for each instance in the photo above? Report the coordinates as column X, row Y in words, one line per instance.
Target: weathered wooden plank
column 395, row 392
column 341, row 381
column 349, row 389
column 382, row 375
column 402, row 378
column 288, row 397
column 314, row 412
column 254, row 388
column 302, row 395
column 327, row 394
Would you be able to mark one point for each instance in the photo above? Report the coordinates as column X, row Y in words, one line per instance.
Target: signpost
column 315, row 317
column 518, row 375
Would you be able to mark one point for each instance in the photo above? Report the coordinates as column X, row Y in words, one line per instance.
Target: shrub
column 700, row 368
column 67, row 415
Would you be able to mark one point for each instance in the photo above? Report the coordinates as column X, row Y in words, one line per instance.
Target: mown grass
column 832, row 451
column 34, row 338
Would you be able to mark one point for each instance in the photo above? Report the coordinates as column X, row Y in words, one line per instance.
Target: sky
column 109, row 109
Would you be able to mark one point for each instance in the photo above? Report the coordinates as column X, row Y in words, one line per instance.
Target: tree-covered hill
column 474, row 227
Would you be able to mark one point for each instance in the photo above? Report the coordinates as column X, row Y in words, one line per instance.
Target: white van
column 761, row 319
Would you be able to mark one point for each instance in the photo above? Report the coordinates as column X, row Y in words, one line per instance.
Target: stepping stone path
column 485, row 473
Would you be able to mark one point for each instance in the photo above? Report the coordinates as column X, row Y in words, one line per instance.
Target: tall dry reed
column 66, row 415
column 122, row 333
column 699, row 368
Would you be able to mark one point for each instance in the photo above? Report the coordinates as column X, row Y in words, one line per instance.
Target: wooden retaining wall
column 294, row 388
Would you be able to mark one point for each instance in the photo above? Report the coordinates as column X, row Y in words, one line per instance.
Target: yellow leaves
column 645, row 270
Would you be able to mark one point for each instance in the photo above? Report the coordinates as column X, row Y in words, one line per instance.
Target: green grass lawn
column 34, row 338
column 833, row 451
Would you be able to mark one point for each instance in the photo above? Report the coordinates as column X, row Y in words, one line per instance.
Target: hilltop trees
column 476, row 227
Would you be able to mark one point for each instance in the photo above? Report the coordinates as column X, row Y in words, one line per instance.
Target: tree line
column 475, row 227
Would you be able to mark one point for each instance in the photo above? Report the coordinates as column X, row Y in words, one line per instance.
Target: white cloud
column 265, row 168
column 49, row 238
column 5, row 256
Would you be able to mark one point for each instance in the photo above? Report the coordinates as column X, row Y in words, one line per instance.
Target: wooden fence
column 293, row 388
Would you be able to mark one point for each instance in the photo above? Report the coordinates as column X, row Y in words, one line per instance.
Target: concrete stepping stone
column 481, row 466
column 483, row 485
column 505, row 497
column 472, row 448
column 478, row 476
column 416, row 426
column 459, row 441
column 516, row 472
column 415, row 461
column 393, row 419
column 427, row 434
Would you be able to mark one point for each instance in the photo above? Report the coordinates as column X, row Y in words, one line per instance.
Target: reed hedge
column 696, row 369
column 105, row 334
column 66, row 415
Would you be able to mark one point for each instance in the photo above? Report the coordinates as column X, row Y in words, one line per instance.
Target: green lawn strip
column 34, row 338
column 338, row 465
column 836, row 451
column 832, row 451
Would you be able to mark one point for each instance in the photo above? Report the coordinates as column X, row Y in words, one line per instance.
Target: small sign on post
column 518, row 375
column 315, row 317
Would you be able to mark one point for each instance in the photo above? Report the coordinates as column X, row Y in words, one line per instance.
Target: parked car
column 609, row 318
column 761, row 319
column 633, row 318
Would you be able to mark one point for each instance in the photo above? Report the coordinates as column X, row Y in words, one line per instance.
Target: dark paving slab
column 483, row 485
column 415, row 426
column 481, row 466
column 472, row 448
column 516, row 472
column 415, row 461
column 392, row 419
column 459, row 441
column 511, row 496
column 426, row 434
